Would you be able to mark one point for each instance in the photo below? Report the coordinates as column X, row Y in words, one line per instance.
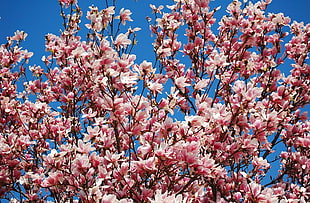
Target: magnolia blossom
column 122, row 41
column 201, row 84
column 19, row 35
column 165, row 198
column 181, row 82
column 215, row 117
column 124, row 16
column 155, row 87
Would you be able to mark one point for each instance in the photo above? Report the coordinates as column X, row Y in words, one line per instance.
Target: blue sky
column 39, row 17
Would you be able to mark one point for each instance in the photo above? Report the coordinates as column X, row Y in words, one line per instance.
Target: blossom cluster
column 95, row 126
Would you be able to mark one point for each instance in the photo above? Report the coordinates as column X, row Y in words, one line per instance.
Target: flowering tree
column 203, row 123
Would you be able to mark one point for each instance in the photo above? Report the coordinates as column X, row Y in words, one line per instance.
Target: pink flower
column 125, row 16
column 156, row 10
column 155, row 87
column 67, row 2
column 54, row 178
column 146, row 165
column 109, row 198
column 181, row 82
column 84, row 148
column 259, row 163
column 202, row 84
column 146, row 67
column 81, row 163
column 202, row 3
column 239, row 87
column 90, row 114
column 128, row 78
column 163, row 52
column 255, row 189
column 165, row 198
column 19, row 35
column 122, row 41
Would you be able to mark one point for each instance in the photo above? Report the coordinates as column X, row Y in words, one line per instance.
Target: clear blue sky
column 39, row 17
